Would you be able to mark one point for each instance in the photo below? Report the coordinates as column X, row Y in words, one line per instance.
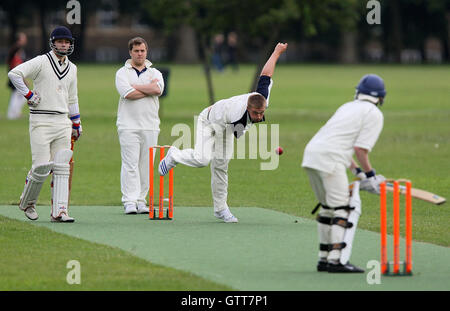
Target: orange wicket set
column 169, row 210
column 407, row 264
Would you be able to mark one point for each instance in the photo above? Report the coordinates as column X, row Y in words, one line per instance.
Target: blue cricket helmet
column 61, row 32
column 372, row 85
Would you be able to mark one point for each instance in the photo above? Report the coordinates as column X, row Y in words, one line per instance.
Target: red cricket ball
column 279, row 151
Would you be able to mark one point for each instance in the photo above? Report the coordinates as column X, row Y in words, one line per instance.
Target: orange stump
column 150, row 192
column 408, row 226
column 407, row 264
column 396, row 220
column 161, row 187
column 160, row 214
column 171, row 194
column 383, row 229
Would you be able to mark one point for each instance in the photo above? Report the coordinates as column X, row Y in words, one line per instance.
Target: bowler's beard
column 256, row 121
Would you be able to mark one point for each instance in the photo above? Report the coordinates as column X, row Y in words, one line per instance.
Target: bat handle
column 72, row 142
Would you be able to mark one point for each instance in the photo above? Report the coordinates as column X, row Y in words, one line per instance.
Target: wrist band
column 29, row 95
column 74, row 117
column 370, row 173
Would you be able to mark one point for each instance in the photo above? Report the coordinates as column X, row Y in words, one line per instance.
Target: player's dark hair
column 256, row 101
column 136, row 41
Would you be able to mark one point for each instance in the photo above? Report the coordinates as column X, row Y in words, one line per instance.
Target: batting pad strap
column 324, row 220
column 337, row 246
column 346, row 207
column 317, row 207
column 343, row 222
column 325, row 247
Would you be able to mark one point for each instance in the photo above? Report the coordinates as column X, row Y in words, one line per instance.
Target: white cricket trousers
column 331, row 190
column 47, row 138
column 16, row 103
column 213, row 145
column 134, row 174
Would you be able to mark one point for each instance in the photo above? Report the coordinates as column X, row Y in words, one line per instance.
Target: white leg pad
column 33, row 185
column 324, row 229
column 355, row 202
column 61, row 173
column 324, row 238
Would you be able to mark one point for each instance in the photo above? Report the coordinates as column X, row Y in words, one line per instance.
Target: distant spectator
column 16, row 56
column 218, row 47
column 231, row 51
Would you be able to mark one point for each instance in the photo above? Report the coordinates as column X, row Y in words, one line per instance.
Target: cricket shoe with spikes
column 142, row 208
column 62, row 218
column 322, row 265
column 30, row 211
column 226, row 216
column 167, row 163
column 130, row 208
column 340, row 268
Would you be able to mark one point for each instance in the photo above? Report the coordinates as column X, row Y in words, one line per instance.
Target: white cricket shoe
column 62, row 218
column 142, row 208
column 30, row 209
column 130, row 208
column 166, row 164
column 31, row 213
column 226, row 215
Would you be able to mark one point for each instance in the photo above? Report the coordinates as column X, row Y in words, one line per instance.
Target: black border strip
column 45, row 112
column 58, row 73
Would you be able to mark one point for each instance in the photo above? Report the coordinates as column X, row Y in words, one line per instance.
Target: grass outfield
column 44, row 254
column 414, row 144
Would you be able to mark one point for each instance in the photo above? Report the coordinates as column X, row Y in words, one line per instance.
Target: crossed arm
column 144, row 90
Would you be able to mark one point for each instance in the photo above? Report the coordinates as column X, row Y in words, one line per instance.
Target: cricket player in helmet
column 54, row 119
column 61, row 33
column 352, row 130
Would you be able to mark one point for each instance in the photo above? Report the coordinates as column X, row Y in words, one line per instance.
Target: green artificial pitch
column 266, row 250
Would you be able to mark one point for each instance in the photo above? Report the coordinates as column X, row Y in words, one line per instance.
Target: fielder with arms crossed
column 217, row 126
column 54, row 119
column 353, row 129
column 139, row 86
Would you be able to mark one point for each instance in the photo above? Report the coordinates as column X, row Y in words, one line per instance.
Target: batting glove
column 33, row 99
column 76, row 127
column 358, row 173
column 372, row 182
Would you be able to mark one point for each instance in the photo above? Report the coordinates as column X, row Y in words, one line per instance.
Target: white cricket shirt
column 354, row 124
column 54, row 81
column 233, row 110
column 137, row 114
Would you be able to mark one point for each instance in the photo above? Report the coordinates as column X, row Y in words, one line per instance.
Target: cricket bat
column 418, row 194
column 71, row 171
column 415, row 193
